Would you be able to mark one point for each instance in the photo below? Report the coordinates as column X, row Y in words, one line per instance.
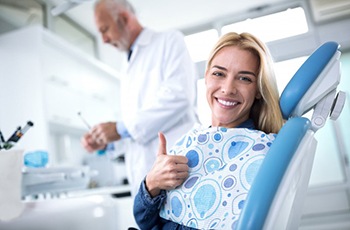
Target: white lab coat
column 158, row 93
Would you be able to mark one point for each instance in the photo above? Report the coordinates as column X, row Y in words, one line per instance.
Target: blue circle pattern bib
column 223, row 163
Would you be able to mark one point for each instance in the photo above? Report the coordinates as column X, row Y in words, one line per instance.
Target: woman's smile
column 226, row 103
column 231, row 86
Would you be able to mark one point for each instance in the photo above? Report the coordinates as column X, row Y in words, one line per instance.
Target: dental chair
column 276, row 196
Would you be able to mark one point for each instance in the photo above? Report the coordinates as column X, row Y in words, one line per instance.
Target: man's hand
column 90, row 144
column 105, row 132
column 168, row 172
column 99, row 136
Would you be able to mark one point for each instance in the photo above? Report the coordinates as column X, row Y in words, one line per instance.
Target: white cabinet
column 79, row 84
column 46, row 80
column 86, row 86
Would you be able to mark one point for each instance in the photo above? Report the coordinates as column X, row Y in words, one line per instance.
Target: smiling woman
column 247, row 61
column 231, row 86
column 202, row 182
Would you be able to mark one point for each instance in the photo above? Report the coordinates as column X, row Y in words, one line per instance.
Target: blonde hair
column 265, row 112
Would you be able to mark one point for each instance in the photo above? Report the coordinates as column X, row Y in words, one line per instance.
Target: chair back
column 276, row 197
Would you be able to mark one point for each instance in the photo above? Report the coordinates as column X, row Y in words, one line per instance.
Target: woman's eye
column 218, row 74
column 246, row 79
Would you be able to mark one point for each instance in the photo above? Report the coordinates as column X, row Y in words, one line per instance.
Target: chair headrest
column 312, row 81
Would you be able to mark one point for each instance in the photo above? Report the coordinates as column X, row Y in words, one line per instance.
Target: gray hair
column 115, row 5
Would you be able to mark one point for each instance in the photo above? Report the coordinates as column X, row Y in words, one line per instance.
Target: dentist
column 158, row 88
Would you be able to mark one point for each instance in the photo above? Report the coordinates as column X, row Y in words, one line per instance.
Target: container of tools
column 11, row 163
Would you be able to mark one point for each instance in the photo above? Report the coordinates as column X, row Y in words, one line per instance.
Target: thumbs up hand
column 168, row 171
column 162, row 144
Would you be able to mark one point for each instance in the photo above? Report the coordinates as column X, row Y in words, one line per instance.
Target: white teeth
column 227, row 103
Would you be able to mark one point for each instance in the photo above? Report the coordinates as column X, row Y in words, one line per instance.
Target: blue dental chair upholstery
column 276, row 196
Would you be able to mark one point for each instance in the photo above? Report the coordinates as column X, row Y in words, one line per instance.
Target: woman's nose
column 229, row 88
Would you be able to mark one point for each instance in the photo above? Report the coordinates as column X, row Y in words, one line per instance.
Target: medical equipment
column 100, row 151
column 37, row 179
column 84, row 121
column 276, row 197
column 55, row 181
column 2, row 140
column 36, row 159
column 15, row 136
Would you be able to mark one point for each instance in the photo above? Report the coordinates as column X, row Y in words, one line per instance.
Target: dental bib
column 222, row 165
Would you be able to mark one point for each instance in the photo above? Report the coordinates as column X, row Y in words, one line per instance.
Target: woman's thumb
column 162, row 144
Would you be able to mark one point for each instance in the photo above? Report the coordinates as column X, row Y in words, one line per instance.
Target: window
column 272, row 27
column 285, row 70
column 200, row 44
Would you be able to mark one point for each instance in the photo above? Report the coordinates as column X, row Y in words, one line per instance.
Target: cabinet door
column 97, row 109
column 78, row 84
column 62, row 105
column 21, row 90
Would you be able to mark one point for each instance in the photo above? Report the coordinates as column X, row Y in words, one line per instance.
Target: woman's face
column 231, row 82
